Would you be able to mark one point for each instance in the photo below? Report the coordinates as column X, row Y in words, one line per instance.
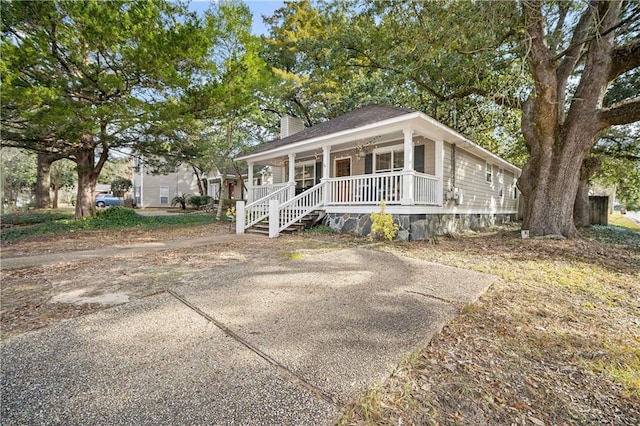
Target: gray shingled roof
column 351, row 120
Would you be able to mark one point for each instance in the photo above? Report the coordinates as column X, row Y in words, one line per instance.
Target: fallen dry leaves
column 26, row 294
column 555, row 341
column 548, row 344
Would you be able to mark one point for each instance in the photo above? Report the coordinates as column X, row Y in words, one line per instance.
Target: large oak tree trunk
column 581, row 216
column 559, row 137
column 549, row 184
column 581, row 208
column 43, row 180
column 85, row 204
column 89, row 170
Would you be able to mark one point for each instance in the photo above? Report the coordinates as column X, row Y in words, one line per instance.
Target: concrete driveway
column 283, row 343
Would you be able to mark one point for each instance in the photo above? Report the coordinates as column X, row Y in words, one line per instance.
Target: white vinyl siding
column 429, row 157
column 471, row 178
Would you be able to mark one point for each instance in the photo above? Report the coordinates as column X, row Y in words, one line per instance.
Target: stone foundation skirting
column 417, row 226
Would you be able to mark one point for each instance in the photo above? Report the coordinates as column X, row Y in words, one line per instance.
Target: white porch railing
column 300, row 206
column 258, row 192
column 366, row 189
column 259, row 209
column 350, row 190
column 426, row 188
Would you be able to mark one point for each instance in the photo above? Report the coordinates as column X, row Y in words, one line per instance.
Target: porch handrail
column 259, row 209
column 366, row 189
column 261, row 191
column 301, row 205
column 426, row 188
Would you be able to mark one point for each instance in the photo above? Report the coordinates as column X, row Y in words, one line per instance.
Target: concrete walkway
column 254, row 344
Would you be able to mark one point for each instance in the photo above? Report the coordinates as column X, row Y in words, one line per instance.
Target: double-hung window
column 305, row 174
column 164, row 195
column 388, row 159
column 385, row 160
column 489, row 172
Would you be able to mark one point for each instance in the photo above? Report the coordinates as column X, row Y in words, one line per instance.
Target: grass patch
column 26, row 225
column 320, row 229
column 620, row 220
column 35, row 217
column 622, row 365
column 613, row 235
column 294, row 256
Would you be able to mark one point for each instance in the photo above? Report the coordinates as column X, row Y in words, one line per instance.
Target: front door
column 343, row 168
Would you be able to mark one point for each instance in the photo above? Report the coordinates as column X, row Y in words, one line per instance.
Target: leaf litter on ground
column 556, row 340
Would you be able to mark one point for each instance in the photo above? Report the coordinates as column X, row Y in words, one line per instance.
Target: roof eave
column 454, row 137
column 264, row 155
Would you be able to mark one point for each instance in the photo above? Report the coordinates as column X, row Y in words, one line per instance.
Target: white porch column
column 326, row 169
column 292, row 175
column 440, row 170
column 274, row 218
column 250, row 181
column 408, row 172
column 240, row 217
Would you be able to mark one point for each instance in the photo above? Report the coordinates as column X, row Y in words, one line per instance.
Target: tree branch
column 625, row 58
column 563, row 10
column 540, row 56
column 572, row 53
column 625, row 112
column 588, row 38
column 496, row 97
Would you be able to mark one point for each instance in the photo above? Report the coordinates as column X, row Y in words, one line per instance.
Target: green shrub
column 226, row 203
column 120, row 216
column 382, row 225
column 199, row 201
column 180, row 199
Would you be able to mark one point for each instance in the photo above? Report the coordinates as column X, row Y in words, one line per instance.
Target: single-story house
column 152, row 190
column 432, row 179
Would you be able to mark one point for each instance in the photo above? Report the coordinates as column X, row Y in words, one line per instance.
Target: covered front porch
column 398, row 163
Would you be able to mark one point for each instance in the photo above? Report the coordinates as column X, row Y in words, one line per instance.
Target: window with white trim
column 515, row 188
column 489, row 172
column 305, row 174
column 500, row 183
column 164, row 195
column 389, row 159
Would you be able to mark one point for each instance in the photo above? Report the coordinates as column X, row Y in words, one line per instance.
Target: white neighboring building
column 157, row 190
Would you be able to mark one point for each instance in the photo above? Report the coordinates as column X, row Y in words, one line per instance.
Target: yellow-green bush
column 382, row 225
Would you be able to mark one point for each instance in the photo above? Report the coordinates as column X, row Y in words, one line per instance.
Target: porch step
column 305, row 223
